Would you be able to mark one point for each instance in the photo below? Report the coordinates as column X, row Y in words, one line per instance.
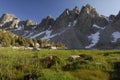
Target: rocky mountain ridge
column 77, row 29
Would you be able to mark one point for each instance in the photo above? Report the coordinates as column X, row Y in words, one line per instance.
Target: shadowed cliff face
column 46, row 23
column 77, row 29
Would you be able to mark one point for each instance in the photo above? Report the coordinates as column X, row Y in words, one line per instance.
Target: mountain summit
column 77, row 29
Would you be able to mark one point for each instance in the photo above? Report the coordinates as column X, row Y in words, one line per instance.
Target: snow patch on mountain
column 36, row 35
column 47, row 34
column 70, row 24
column 19, row 28
column 95, row 38
column 25, row 33
column 29, row 35
column 108, row 19
column 34, row 27
column 74, row 22
column 96, row 26
column 63, row 31
column 115, row 36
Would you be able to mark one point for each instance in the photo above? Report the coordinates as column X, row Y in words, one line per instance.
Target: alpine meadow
column 60, row 40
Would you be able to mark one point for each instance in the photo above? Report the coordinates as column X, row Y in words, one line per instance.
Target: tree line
column 8, row 39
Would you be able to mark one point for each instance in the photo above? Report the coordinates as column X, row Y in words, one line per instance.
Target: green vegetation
column 8, row 39
column 19, row 64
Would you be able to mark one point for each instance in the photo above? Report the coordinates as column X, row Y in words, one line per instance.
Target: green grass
column 19, row 64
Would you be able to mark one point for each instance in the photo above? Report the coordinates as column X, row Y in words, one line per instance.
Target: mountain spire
column 76, row 10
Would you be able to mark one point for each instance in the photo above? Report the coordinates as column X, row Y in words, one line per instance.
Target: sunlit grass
column 16, row 64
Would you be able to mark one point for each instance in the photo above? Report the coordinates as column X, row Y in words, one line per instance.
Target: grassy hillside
column 19, row 64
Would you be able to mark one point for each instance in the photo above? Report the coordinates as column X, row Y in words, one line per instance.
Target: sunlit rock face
column 9, row 21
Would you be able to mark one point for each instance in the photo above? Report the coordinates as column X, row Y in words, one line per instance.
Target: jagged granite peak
column 89, row 6
column 88, row 9
column 110, row 36
column 7, row 17
column 66, row 12
column 111, row 17
column 116, row 22
column 46, row 23
column 29, row 23
column 87, row 18
column 117, row 17
column 49, row 17
column 76, row 10
column 74, row 13
column 67, row 19
column 9, row 20
column 62, row 21
column 77, row 29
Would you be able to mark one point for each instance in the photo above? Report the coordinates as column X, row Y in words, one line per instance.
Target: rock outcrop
column 29, row 23
column 9, row 21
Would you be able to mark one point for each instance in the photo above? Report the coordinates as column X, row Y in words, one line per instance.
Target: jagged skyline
column 39, row 9
column 85, row 29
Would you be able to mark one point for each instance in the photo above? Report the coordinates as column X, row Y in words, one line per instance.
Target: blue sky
column 38, row 9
